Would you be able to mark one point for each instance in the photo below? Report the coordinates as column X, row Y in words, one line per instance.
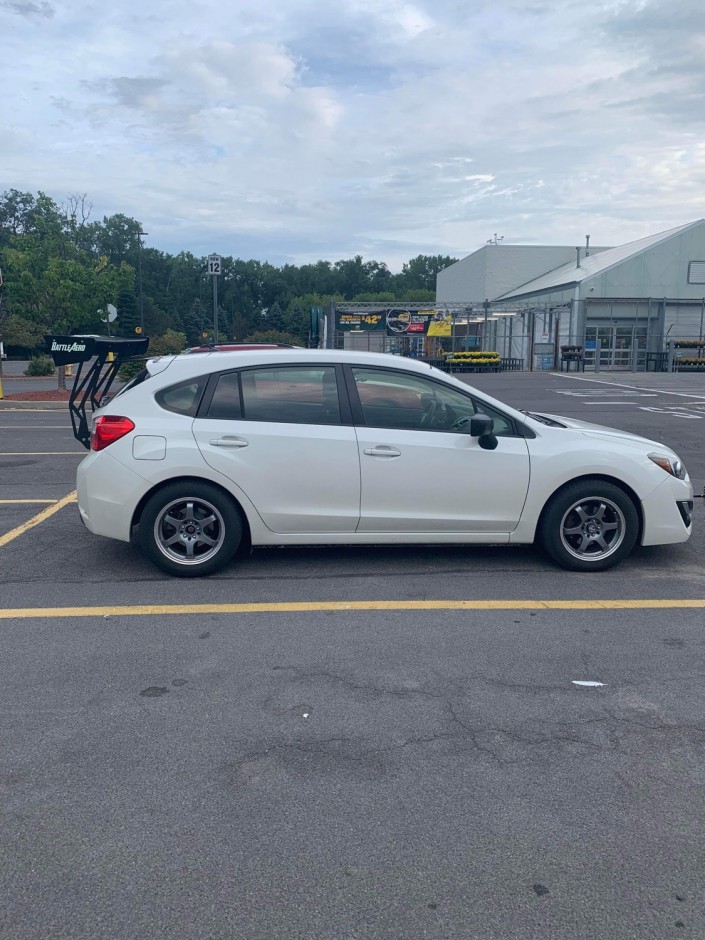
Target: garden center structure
column 626, row 307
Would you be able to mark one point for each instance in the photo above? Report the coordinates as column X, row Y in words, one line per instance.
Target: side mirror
column 481, row 427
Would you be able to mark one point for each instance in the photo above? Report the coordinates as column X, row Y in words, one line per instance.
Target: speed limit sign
column 214, row 264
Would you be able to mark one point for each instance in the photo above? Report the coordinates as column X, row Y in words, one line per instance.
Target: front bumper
column 665, row 519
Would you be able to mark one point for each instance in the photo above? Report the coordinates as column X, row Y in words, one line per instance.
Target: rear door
column 279, row 434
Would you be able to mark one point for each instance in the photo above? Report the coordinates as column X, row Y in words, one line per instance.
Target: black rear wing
column 93, row 386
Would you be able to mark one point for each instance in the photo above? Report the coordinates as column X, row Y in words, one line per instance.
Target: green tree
column 356, row 276
column 50, row 281
column 421, row 271
column 272, row 336
column 128, row 317
column 61, row 268
column 274, row 317
column 16, row 214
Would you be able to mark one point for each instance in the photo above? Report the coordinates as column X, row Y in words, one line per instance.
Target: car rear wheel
column 190, row 529
column 590, row 525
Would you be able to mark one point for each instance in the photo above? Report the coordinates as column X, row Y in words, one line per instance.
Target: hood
column 600, row 431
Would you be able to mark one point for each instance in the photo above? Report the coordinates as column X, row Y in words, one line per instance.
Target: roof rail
column 92, row 387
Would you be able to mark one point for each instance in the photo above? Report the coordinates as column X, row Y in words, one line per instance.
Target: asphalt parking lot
column 352, row 743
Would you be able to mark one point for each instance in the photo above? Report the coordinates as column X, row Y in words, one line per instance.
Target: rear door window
column 284, row 394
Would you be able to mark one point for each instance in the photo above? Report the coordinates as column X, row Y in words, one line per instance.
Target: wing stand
column 93, row 385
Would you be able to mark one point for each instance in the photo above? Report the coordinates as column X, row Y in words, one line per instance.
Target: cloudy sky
column 292, row 130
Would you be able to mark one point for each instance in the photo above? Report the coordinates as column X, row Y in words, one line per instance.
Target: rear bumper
column 108, row 494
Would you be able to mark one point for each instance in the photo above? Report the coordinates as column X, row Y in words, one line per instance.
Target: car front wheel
column 190, row 529
column 590, row 525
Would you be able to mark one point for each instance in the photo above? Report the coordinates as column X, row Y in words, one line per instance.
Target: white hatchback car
column 202, row 453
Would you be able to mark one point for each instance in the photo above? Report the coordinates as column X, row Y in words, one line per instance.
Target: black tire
column 590, row 525
column 190, row 528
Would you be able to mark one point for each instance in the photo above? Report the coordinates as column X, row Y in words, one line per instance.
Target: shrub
column 40, row 365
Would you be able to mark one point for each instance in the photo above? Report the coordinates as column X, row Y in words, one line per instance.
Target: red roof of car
column 232, row 347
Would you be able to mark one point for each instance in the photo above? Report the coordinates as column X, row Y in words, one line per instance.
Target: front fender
column 624, row 465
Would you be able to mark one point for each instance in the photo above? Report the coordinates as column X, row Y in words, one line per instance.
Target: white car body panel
column 582, row 456
column 417, row 481
column 324, row 496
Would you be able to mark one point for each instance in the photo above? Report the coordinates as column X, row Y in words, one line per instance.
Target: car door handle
column 382, row 451
column 228, row 442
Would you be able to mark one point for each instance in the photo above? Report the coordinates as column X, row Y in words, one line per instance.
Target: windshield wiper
column 543, row 419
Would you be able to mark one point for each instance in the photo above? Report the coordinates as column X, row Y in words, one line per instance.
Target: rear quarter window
column 182, row 398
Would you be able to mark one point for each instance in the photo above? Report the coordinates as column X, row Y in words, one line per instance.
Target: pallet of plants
column 695, row 362
column 688, row 364
column 474, row 360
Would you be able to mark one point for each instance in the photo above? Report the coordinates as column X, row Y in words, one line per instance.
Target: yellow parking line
column 158, row 610
column 36, row 520
column 6, row 501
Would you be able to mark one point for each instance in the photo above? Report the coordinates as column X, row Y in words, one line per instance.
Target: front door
column 420, row 471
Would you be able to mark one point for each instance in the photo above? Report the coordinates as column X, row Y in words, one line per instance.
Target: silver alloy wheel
column 593, row 528
column 189, row 530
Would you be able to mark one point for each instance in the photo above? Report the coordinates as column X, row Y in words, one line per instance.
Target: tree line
column 61, row 269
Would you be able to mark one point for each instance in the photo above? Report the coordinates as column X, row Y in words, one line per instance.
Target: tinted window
column 290, row 395
column 225, row 402
column 393, row 400
column 183, row 398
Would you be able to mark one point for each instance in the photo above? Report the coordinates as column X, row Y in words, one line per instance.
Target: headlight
column 671, row 465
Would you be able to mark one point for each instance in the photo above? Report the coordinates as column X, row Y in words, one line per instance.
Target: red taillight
column 109, row 428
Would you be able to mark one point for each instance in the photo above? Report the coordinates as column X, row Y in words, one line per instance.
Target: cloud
column 304, row 129
column 138, row 93
column 28, row 8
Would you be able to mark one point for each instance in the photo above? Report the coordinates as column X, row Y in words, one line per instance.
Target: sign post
column 214, row 269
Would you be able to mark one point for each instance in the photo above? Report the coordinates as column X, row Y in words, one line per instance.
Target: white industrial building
column 622, row 305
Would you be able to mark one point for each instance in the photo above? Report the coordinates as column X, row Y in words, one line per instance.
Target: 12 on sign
column 214, row 264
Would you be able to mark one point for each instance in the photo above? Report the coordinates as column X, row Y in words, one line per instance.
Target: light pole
column 139, row 262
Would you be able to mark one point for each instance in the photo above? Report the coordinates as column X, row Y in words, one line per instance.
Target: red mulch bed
column 55, row 394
